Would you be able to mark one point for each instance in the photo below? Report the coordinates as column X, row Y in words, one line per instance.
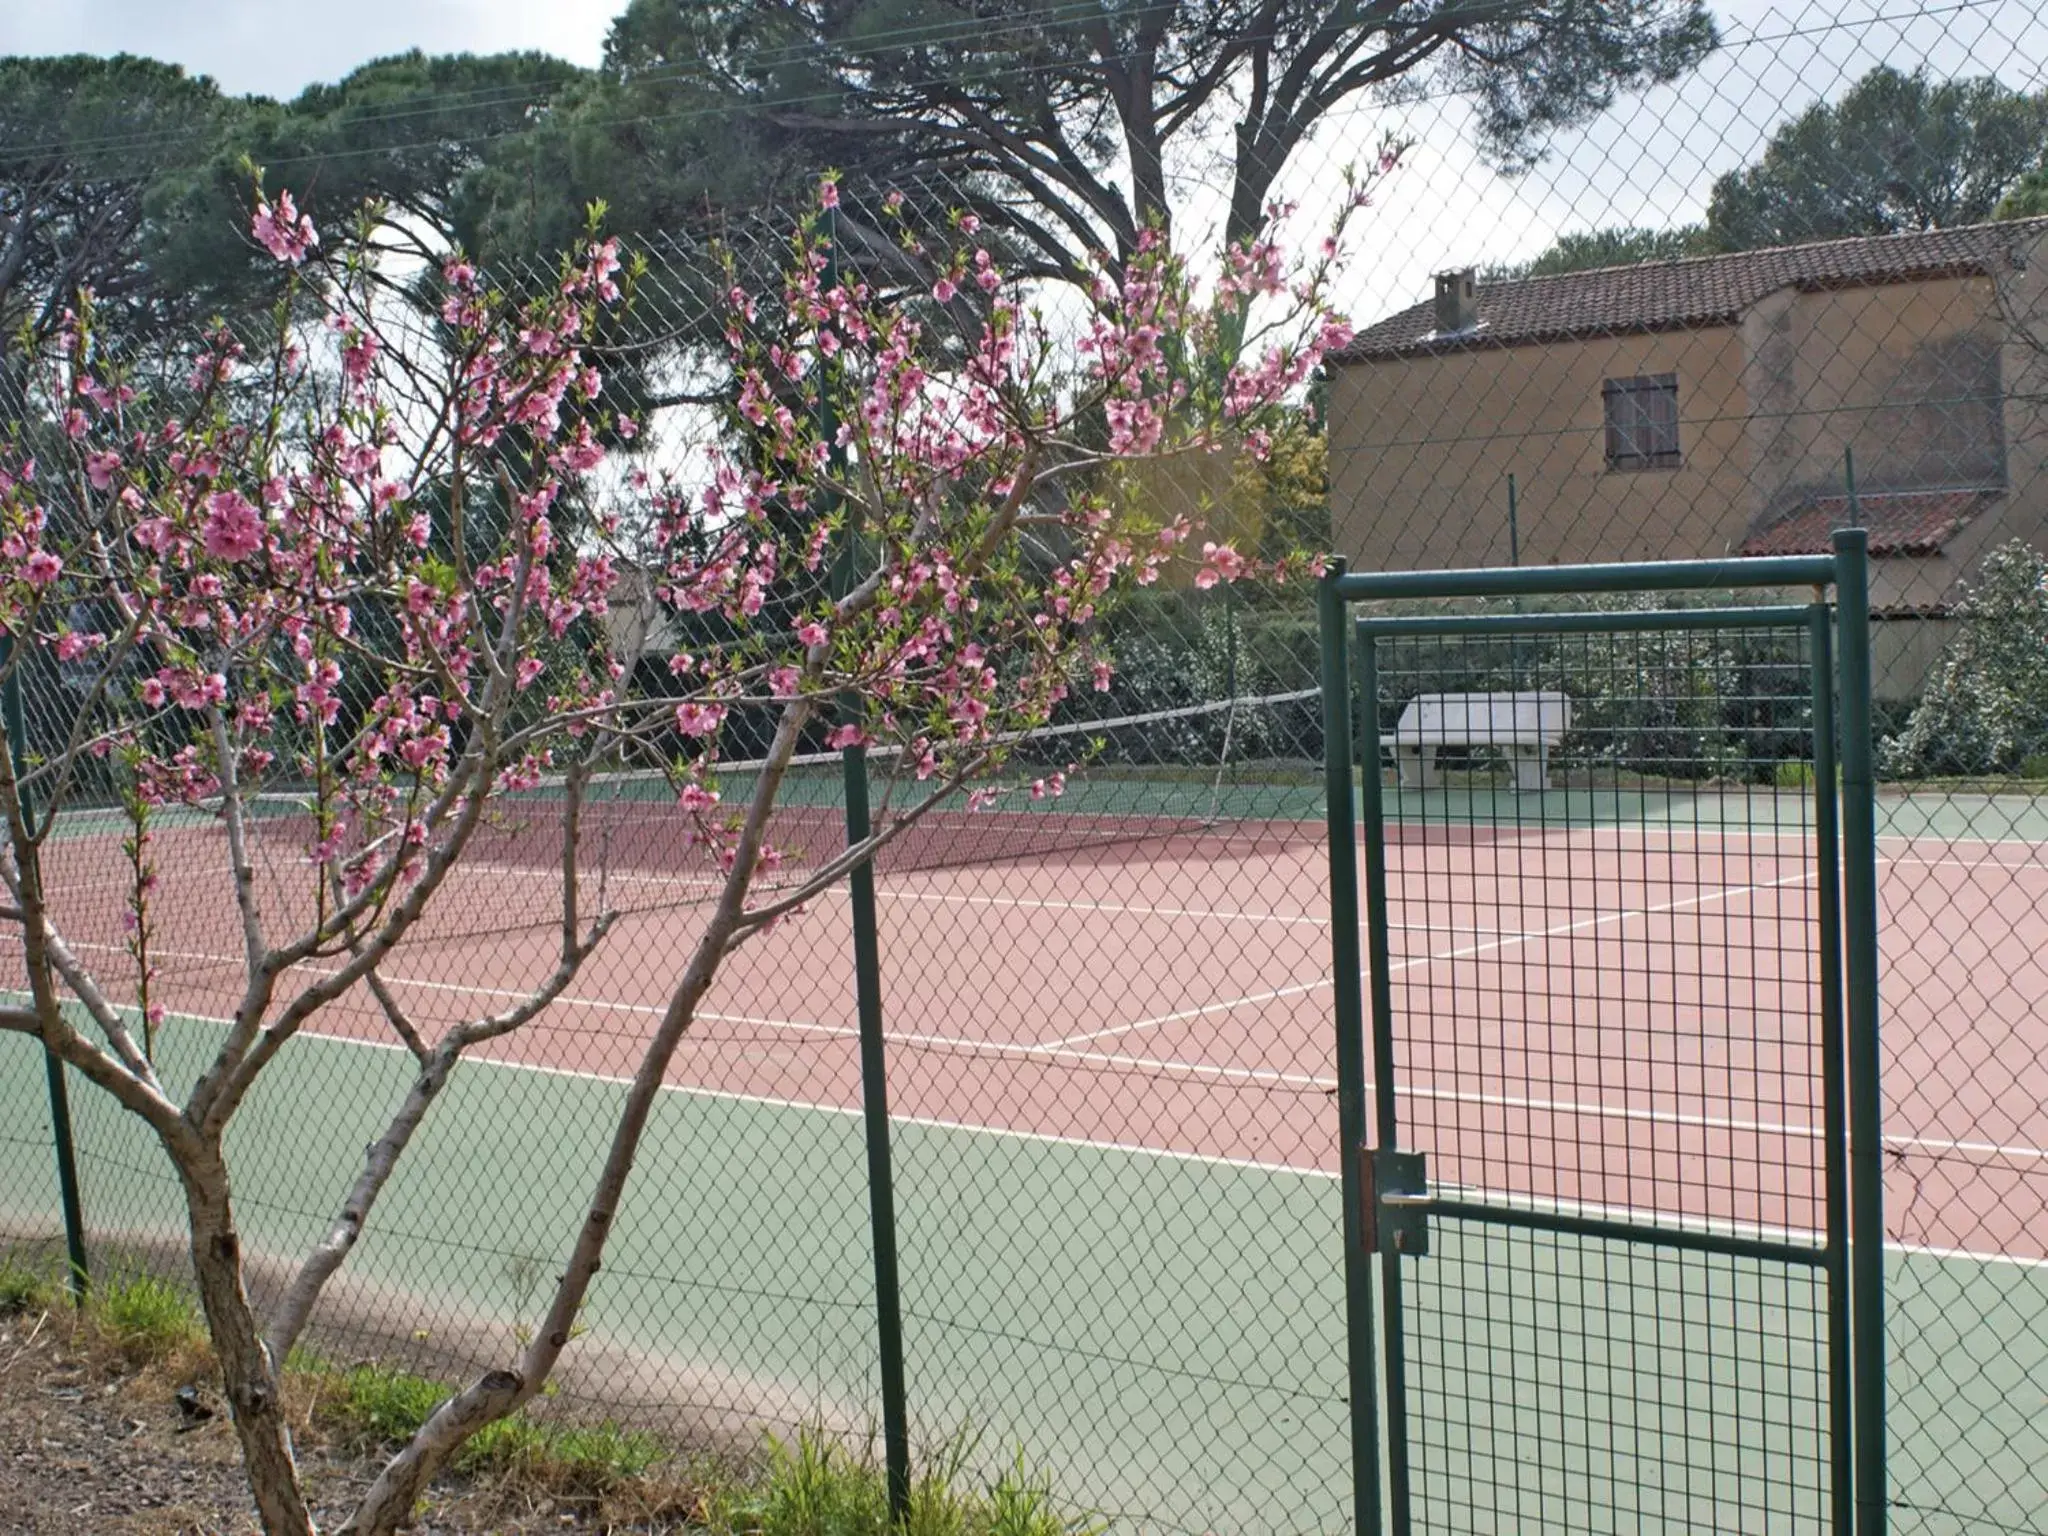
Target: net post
column 1348, row 1011
column 63, row 1143
column 867, row 985
column 1859, row 914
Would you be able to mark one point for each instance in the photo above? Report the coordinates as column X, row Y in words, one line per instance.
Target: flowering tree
column 1985, row 707
column 330, row 570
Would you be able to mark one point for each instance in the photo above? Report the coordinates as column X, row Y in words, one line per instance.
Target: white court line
column 1115, row 909
column 1129, row 1149
column 1464, row 952
column 1595, row 1110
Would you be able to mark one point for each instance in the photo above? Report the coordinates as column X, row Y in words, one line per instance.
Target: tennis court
column 1116, row 1142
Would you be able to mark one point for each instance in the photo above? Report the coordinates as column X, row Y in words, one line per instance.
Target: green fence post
column 1386, row 1130
column 1834, row 1069
column 867, row 988
column 1349, row 1014
column 1859, row 914
column 874, row 1093
column 53, row 1068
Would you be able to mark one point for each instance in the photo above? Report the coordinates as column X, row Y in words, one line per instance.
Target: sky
column 1650, row 161
column 278, row 47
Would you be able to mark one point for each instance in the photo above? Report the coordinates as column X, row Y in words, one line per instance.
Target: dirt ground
column 92, row 1446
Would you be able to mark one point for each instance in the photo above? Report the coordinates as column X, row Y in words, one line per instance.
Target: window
column 1642, row 421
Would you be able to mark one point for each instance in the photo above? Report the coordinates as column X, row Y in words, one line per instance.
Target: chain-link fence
column 1796, row 285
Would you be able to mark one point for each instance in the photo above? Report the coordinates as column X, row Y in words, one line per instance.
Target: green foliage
column 146, row 1316
column 89, row 151
column 812, row 1488
column 1622, row 247
column 1896, row 153
column 817, row 1487
column 409, row 132
column 1985, row 708
column 26, row 1287
column 1025, row 109
column 2028, row 198
column 374, row 1406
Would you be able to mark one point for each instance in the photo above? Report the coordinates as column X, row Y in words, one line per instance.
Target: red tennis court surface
column 1619, row 1019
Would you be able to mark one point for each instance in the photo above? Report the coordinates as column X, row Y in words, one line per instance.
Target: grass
column 814, row 1485
column 374, row 1409
column 817, row 1487
column 26, row 1287
column 147, row 1318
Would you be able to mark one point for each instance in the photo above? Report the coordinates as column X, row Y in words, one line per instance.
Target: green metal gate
column 1607, row 1046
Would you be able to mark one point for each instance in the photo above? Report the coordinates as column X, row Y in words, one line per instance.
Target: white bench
column 1523, row 725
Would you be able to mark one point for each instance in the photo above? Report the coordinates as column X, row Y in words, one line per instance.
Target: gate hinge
column 1396, row 1188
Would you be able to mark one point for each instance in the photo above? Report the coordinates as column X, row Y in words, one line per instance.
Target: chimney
column 1457, row 301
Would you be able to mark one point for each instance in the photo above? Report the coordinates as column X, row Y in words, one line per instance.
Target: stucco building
column 1705, row 407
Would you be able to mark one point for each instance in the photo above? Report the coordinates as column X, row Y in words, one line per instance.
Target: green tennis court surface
column 1165, row 1332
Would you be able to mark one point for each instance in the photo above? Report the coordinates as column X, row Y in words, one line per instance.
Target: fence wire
column 1728, row 313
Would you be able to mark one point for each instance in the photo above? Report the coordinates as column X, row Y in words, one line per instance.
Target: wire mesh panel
column 1607, row 1030
column 1704, row 288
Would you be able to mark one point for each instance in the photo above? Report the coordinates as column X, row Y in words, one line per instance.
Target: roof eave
column 1545, row 338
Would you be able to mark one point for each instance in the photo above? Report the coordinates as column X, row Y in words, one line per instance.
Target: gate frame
column 1848, row 980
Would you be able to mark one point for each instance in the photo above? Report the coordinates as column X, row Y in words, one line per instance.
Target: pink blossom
column 828, row 193
column 810, row 633
column 233, row 529
column 944, row 289
column 694, row 719
column 696, row 797
column 100, row 467
column 843, row 736
column 285, row 232
column 41, row 568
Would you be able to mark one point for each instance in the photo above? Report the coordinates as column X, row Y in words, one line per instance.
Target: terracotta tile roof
column 1697, row 291
column 1900, row 522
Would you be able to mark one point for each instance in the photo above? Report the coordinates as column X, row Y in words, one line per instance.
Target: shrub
column 1985, row 709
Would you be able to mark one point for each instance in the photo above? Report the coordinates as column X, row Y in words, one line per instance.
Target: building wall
column 1421, row 450
column 1933, row 385
column 1908, row 376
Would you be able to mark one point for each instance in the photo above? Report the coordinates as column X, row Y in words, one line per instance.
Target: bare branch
column 254, row 950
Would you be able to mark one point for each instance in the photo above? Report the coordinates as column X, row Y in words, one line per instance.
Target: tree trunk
column 248, row 1376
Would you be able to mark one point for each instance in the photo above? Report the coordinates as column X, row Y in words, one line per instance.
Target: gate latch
column 1396, row 1186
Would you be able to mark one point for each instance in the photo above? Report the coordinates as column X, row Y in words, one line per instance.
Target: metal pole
column 874, row 1093
column 1834, row 1088
column 1866, row 1150
column 1349, row 1012
column 867, row 988
column 53, row 1068
column 1385, row 1126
